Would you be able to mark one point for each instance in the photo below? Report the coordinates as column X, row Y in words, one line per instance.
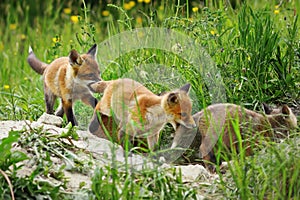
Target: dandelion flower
column 105, row 13
column 6, row 87
column 127, row 6
column 55, row 39
column 147, row 1
column 132, row 3
column 67, row 11
column 212, row 32
column 74, row 19
column 12, row 26
column 140, row 1
column 276, row 12
column 195, row 9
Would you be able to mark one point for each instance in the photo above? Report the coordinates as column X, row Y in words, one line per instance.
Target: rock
column 192, row 173
column 50, row 120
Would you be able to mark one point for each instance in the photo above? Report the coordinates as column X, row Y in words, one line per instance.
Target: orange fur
column 140, row 113
column 68, row 78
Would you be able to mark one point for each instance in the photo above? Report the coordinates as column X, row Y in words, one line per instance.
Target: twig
column 9, row 184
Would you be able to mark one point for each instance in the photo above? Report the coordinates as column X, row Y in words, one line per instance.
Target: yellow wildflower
column 139, row 20
column 132, row 3
column 127, row 6
column 147, row 1
column 140, row 1
column 105, row 13
column 67, row 10
column 56, row 39
column 212, row 32
column 6, row 87
column 12, row 26
column 195, row 9
column 276, row 12
column 276, row 7
column 74, row 19
column 23, row 36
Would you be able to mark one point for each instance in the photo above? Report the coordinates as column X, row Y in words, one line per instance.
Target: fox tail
column 35, row 63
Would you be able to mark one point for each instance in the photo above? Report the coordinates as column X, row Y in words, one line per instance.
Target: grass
column 255, row 47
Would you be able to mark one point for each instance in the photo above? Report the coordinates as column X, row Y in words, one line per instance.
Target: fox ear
column 74, row 58
column 186, row 88
column 172, row 98
column 93, row 50
column 285, row 110
column 267, row 108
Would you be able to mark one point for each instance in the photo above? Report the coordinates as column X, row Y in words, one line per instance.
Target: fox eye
column 183, row 114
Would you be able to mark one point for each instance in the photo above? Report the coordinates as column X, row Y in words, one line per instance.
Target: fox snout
column 190, row 123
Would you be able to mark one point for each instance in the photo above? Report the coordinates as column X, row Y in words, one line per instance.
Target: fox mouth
column 90, row 86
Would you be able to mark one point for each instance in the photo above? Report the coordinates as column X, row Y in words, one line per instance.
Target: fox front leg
column 68, row 109
column 152, row 140
column 88, row 99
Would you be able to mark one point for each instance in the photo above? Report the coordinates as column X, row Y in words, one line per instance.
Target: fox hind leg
column 49, row 100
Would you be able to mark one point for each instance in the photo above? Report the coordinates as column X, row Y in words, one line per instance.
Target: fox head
column 282, row 117
column 85, row 66
column 178, row 107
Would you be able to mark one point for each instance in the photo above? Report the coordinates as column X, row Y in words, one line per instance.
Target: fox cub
column 222, row 122
column 140, row 113
column 68, row 78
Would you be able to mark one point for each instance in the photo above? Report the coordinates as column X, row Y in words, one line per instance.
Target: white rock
column 191, row 173
column 50, row 120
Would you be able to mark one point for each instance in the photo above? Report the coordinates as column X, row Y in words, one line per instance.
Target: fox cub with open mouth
column 68, row 78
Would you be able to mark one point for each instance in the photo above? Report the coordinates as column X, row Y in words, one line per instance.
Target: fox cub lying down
column 138, row 112
column 220, row 124
column 68, row 78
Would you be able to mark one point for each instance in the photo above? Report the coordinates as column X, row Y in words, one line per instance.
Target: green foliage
column 270, row 173
column 154, row 183
column 8, row 158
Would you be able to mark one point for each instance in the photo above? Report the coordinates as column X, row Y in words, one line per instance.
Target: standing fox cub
column 140, row 113
column 220, row 124
column 68, row 78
